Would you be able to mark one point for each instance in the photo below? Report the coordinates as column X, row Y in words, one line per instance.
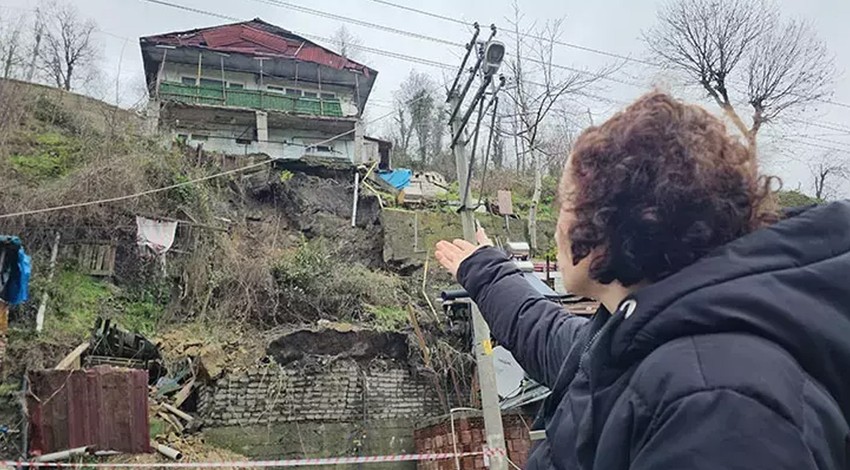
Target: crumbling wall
column 339, row 391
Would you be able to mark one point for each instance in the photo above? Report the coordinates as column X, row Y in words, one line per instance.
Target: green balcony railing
column 255, row 99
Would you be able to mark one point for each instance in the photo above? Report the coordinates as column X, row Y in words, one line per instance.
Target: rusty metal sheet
column 104, row 407
column 256, row 37
column 506, row 205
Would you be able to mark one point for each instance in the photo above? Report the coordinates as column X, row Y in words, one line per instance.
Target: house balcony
column 253, row 99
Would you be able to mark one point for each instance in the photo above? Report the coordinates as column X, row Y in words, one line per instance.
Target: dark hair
column 657, row 187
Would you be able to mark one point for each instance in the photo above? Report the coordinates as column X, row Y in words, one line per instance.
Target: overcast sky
column 606, row 25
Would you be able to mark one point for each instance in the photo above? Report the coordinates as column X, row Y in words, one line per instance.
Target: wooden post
column 200, row 63
column 4, row 328
column 39, row 317
column 161, row 71
column 356, row 197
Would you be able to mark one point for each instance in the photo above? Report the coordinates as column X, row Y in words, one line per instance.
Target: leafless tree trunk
column 535, row 92
column 417, row 112
column 403, row 131
column 38, row 33
column 70, row 51
column 347, row 44
column 741, row 50
column 828, row 172
column 11, row 43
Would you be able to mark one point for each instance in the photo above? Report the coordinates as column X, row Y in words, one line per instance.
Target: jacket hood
column 788, row 283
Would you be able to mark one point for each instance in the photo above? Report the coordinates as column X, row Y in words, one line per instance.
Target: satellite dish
column 509, row 374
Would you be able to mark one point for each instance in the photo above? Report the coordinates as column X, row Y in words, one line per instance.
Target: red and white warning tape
column 262, row 463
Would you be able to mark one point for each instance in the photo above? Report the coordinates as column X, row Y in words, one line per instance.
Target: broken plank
column 174, row 422
column 184, row 393
column 72, row 360
column 182, row 414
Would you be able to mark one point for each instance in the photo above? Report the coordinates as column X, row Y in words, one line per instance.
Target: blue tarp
column 399, row 178
column 15, row 271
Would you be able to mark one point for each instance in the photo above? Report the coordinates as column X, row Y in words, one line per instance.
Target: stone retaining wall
column 342, row 391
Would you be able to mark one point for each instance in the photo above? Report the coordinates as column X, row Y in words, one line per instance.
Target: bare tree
column 537, row 87
column 347, row 44
column 828, row 172
column 70, row 52
column 417, row 114
column 12, row 42
column 742, row 51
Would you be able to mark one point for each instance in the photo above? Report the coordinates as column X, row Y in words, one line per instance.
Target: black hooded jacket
column 741, row 360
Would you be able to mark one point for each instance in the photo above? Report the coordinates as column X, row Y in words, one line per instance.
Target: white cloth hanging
column 156, row 235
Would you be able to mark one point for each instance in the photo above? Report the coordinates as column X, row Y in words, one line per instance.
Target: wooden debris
column 426, row 353
column 72, row 360
column 187, row 417
column 184, row 393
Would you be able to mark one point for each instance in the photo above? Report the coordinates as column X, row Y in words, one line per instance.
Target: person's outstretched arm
column 538, row 332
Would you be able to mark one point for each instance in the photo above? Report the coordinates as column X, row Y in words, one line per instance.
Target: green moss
column 388, row 318
column 795, row 199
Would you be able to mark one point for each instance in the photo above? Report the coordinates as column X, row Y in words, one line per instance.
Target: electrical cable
column 559, row 42
column 487, row 152
column 465, row 196
column 442, row 65
column 181, row 184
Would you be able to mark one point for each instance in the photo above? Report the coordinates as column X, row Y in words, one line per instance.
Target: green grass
column 388, row 318
column 50, row 155
column 77, row 299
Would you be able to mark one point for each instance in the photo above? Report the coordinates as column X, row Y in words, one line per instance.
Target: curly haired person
column 723, row 336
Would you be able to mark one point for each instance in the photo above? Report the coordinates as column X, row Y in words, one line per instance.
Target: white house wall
column 174, row 72
column 283, row 143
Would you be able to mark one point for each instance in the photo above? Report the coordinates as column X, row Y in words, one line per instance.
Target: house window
column 274, row 87
column 188, row 81
column 293, row 91
column 310, row 94
column 210, row 83
column 320, row 149
column 235, row 86
column 242, row 141
column 200, row 137
column 328, row 96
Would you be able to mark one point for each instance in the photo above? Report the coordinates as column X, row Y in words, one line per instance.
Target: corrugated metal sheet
column 258, row 38
column 104, row 407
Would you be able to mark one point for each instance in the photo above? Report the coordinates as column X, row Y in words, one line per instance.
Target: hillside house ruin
column 253, row 87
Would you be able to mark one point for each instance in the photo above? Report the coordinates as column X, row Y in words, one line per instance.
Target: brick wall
column 338, row 392
column 435, row 436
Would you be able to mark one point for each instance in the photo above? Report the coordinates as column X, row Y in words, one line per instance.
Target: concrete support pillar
column 358, row 142
column 151, row 124
column 263, row 132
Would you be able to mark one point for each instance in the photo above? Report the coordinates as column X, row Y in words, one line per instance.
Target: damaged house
column 253, row 87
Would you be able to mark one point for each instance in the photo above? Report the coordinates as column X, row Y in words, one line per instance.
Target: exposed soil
column 319, row 206
column 359, row 345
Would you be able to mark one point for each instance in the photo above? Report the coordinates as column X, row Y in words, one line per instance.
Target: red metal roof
column 104, row 407
column 257, row 38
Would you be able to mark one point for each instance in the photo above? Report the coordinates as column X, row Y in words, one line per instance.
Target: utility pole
column 481, row 331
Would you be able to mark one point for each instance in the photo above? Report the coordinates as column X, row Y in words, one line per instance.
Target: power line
column 419, row 60
column 394, row 55
column 561, row 43
column 184, row 183
column 367, row 24
column 824, row 147
column 407, row 33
